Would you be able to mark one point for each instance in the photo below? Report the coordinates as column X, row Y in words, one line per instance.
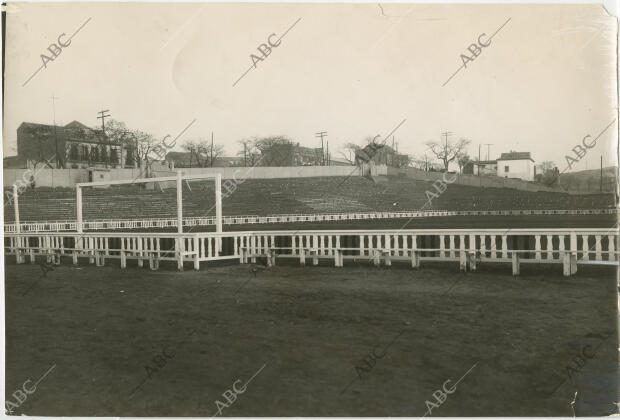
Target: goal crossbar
column 179, row 187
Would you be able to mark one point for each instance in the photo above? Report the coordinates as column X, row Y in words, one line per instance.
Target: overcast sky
column 354, row 70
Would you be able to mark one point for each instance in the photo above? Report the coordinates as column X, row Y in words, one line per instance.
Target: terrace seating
column 265, row 197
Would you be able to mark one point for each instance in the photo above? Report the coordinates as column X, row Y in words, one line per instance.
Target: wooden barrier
column 568, row 247
column 116, row 224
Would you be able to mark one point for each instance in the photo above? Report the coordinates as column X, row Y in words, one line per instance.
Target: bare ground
column 308, row 329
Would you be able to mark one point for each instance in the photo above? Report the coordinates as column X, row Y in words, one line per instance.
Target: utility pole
column 446, row 134
column 328, row 158
column 488, row 145
column 479, row 145
column 53, row 98
column 445, row 150
column 212, row 149
column 322, row 134
column 245, row 154
column 601, row 173
column 103, row 116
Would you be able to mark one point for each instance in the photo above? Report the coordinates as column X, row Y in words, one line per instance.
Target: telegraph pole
column 601, row 173
column 322, row 134
column 488, row 145
column 328, row 159
column 445, row 150
column 53, row 98
column 103, row 116
column 212, row 149
column 446, row 134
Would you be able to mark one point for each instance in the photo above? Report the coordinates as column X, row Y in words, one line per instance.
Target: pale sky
column 546, row 80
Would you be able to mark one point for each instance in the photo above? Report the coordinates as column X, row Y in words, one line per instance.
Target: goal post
column 179, row 178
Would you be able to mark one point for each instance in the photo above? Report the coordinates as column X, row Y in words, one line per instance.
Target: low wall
column 471, row 180
column 45, row 177
column 265, row 172
column 69, row 177
column 56, row 178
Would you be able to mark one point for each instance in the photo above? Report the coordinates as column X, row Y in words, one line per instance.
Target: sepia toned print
column 320, row 210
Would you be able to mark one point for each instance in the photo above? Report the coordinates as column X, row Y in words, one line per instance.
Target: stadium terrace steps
column 264, row 197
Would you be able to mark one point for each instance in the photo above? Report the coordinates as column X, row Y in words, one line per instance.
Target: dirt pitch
column 308, row 329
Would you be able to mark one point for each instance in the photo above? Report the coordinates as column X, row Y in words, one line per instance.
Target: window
column 114, row 157
column 506, row 168
column 103, row 153
column 73, row 153
column 84, row 153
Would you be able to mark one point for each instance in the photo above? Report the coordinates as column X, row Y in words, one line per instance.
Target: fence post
column 123, row 254
column 566, row 263
column 550, row 246
column 179, row 251
column 584, row 247
column 472, row 261
column 179, row 202
column 197, row 253
column 78, row 207
column 91, row 250
column 140, row 253
column 516, row 269
column 18, row 228
column 218, row 207
column 376, row 253
column 415, row 259
column 598, row 248
column 462, row 260
column 537, row 247
column 442, row 246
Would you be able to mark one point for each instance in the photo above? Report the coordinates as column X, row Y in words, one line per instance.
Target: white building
column 516, row 165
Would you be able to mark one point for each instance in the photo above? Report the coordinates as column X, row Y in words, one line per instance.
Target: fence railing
column 114, row 224
column 567, row 246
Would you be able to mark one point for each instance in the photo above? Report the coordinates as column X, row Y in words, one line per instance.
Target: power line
column 488, row 145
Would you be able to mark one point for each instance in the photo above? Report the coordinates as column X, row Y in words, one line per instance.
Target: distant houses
column 509, row 165
column 188, row 160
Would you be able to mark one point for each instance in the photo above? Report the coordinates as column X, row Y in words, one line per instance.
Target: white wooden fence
column 470, row 247
column 124, row 224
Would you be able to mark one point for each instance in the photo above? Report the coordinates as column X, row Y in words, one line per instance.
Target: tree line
column 283, row 151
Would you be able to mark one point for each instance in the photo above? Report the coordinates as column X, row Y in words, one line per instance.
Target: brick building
column 71, row 146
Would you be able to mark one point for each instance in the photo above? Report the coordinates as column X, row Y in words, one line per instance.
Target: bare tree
column 140, row 145
column 546, row 165
column 276, row 150
column 143, row 147
column 249, row 151
column 423, row 162
column 447, row 151
column 116, row 132
column 348, row 154
column 549, row 174
column 203, row 151
column 462, row 159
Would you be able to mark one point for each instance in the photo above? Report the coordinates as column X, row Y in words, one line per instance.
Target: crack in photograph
column 310, row 209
